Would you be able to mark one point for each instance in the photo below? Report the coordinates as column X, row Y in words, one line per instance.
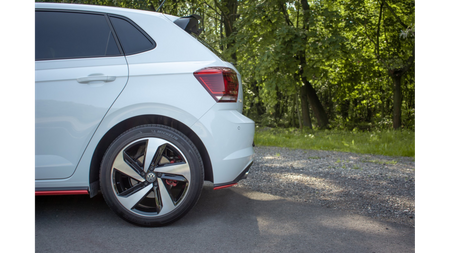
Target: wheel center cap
column 151, row 177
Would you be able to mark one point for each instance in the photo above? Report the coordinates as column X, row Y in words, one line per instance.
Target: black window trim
column 116, row 38
column 110, row 15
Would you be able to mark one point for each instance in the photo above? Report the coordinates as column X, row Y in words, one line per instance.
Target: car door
column 80, row 70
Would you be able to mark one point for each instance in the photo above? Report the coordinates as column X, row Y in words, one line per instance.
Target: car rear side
column 130, row 104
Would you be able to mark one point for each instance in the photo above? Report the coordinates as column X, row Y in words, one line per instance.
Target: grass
column 388, row 142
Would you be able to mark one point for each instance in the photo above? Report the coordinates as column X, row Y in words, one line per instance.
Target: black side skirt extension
column 243, row 175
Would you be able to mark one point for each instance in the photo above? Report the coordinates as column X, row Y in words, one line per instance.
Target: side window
column 132, row 40
column 62, row 35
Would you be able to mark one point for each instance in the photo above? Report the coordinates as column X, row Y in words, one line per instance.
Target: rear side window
column 63, row 35
column 133, row 41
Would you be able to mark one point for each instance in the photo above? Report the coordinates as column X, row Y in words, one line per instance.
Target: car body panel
column 161, row 82
column 68, row 111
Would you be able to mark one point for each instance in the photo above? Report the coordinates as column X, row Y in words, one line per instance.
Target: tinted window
column 61, row 35
column 133, row 41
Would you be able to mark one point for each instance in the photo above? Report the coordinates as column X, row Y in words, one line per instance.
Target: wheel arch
column 123, row 126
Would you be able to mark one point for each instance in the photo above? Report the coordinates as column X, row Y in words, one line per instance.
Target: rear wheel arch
column 127, row 124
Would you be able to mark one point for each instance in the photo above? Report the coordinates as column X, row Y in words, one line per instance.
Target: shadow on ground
column 226, row 220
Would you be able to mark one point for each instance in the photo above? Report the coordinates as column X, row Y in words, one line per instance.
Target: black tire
column 151, row 175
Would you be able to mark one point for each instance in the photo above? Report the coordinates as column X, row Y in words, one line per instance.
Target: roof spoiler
column 190, row 24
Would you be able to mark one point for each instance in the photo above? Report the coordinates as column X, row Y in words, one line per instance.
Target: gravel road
column 372, row 185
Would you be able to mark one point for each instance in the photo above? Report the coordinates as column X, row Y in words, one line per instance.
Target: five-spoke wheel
column 151, row 175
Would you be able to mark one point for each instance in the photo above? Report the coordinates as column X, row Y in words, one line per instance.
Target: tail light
column 222, row 83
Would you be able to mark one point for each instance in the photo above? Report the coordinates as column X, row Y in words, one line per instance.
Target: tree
column 283, row 36
column 229, row 15
column 313, row 99
column 396, row 52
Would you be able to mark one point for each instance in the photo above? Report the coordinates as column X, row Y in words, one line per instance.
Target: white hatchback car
column 130, row 103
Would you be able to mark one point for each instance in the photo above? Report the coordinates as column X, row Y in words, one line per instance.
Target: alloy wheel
column 150, row 177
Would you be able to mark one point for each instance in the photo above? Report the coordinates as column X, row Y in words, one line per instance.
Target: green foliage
column 350, row 47
column 386, row 142
column 349, row 53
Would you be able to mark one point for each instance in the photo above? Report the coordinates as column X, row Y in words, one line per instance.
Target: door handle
column 96, row 77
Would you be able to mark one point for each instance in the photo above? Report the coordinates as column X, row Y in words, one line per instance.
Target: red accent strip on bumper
column 70, row 192
column 224, row 186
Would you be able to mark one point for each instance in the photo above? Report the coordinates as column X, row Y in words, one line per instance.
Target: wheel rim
column 150, row 177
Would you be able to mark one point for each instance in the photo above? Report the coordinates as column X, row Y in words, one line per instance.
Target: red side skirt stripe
column 70, row 192
column 224, row 186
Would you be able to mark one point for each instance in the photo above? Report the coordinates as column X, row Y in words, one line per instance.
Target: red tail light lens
column 221, row 83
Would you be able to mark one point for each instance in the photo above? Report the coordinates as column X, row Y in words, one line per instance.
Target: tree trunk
column 229, row 17
column 297, row 109
column 319, row 111
column 305, row 108
column 396, row 76
column 345, row 109
column 278, row 106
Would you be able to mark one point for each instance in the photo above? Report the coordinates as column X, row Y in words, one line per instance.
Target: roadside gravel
column 377, row 186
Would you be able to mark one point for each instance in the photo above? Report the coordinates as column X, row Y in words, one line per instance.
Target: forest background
column 312, row 65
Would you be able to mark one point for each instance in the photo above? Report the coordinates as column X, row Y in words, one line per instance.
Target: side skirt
column 62, row 191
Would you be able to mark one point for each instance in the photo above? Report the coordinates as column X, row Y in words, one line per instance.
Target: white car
column 130, row 103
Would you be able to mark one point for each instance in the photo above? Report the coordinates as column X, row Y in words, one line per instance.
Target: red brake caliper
column 172, row 183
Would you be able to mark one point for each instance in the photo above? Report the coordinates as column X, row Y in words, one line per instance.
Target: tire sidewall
column 181, row 142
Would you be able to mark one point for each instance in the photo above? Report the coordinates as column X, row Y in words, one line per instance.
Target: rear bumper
column 243, row 175
column 228, row 137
